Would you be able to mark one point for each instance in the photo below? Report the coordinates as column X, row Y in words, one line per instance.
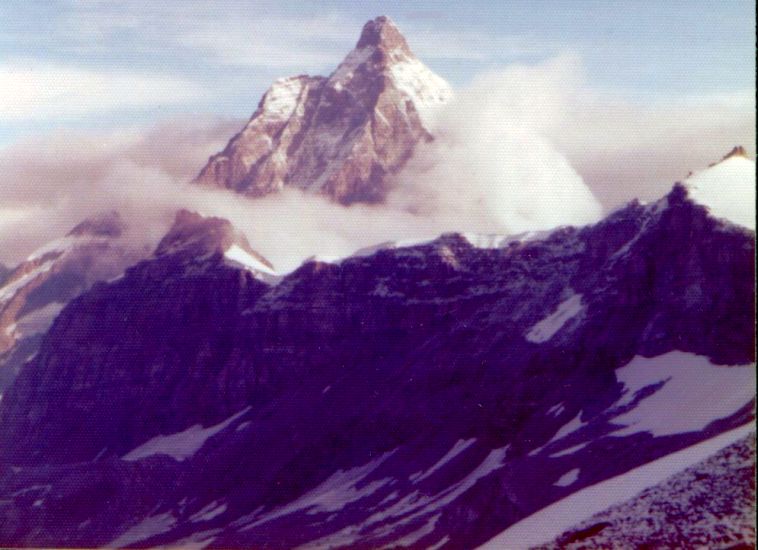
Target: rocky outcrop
column 437, row 392
column 709, row 505
column 737, row 151
column 341, row 136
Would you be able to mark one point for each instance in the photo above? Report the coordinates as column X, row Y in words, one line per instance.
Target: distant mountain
column 421, row 396
column 341, row 136
column 34, row 292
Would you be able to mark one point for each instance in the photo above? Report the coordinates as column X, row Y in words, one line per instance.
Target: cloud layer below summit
column 529, row 147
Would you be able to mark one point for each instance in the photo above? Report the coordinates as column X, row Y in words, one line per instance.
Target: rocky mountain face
column 341, row 136
column 35, row 291
column 422, row 396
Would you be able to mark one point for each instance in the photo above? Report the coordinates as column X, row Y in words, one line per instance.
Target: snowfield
column 693, row 394
column 727, row 189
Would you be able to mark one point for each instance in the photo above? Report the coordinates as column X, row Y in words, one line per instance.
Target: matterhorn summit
column 340, row 136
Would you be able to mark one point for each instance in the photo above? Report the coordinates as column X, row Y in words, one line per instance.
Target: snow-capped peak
column 727, row 189
column 383, row 47
column 339, row 136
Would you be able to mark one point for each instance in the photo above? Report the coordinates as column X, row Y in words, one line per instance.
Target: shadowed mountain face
column 417, row 396
column 341, row 136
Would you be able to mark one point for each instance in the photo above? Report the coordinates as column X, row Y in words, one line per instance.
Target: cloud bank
column 530, row 147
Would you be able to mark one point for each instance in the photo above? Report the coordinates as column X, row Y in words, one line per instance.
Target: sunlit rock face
column 342, row 136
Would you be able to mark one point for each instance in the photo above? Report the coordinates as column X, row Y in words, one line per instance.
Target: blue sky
column 99, row 64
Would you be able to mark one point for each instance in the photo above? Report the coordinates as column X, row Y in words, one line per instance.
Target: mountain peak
column 382, row 32
column 342, row 136
column 737, row 151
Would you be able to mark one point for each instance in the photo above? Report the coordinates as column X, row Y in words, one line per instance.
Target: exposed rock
column 737, row 151
column 710, row 505
column 421, row 395
column 340, row 136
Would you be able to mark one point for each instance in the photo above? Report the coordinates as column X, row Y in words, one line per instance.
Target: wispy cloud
column 43, row 91
column 433, row 42
column 245, row 34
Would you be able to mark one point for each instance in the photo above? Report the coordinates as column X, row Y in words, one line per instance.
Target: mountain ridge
column 186, row 347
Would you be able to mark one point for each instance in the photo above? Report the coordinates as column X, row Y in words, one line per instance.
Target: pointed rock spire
column 341, row 136
column 382, row 33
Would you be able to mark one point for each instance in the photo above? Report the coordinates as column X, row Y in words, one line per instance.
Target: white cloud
column 625, row 148
column 510, row 155
column 249, row 34
column 64, row 92
column 432, row 42
column 490, row 167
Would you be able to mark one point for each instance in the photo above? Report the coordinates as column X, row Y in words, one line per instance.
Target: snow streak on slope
column 693, row 394
column 460, row 446
column 237, row 255
column 182, row 445
column 550, row 325
column 149, row 527
column 334, row 493
column 546, row 524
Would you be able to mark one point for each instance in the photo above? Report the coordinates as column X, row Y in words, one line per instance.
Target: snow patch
column 556, row 410
column 569, row 478
column 182, row 445
column 460, row 446
column 208, row 512
column 570, row 450
column 427, row 90
column 238, row 255
column 281, row 99
column 694, row 393
column 334, row 493
column 570, row 427
column 58, row 246
column 12, row 287
column 550, row 325
column 412, row 538
column 727, row 189
column 490, row 242
column 345, row 71
column 409, row 508
column 149, row 527
column 196, row 541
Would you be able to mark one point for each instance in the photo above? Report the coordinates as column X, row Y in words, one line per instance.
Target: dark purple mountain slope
column 422, row 396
